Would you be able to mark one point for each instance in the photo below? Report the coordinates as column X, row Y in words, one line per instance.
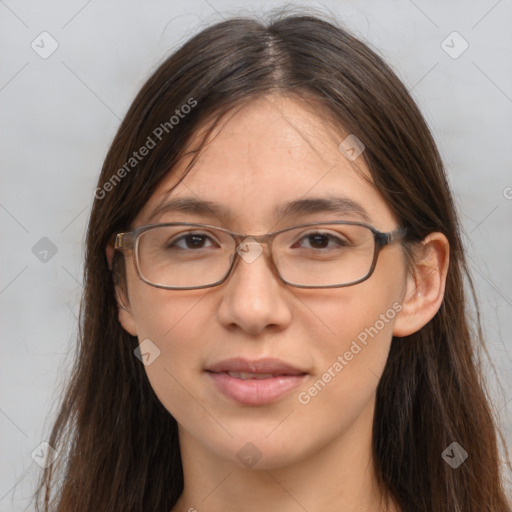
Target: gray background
column 59, row 114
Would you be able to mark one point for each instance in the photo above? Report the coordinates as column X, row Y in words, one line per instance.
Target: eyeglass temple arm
column 124, row 241
column 395, row 235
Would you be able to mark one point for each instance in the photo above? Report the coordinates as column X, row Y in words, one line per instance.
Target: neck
column 337, row 476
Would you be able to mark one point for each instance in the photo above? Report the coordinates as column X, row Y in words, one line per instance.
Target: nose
column 253, row 296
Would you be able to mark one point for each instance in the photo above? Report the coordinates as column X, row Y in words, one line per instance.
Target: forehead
column 269, row 153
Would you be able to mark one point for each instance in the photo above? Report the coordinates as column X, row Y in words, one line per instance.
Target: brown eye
column 322, row 241
column 191, row 241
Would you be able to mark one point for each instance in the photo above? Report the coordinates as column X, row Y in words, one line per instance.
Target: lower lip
column 256, row 391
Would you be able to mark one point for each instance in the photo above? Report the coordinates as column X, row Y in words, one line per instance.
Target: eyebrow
column 330, row 204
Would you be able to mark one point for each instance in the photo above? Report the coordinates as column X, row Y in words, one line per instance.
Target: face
column 270, row 152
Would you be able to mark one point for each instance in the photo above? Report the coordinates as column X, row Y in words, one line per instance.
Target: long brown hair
column 118, row 445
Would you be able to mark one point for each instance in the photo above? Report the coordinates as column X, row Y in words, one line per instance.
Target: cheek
column 351, row 354
column 360, row 337
column 158, row 313
column 356, row 315
column 175, row 323
column 347, row 373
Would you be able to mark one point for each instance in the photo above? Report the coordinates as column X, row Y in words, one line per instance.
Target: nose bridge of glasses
column 250, row 248
column 245, row 242
column 260, row 239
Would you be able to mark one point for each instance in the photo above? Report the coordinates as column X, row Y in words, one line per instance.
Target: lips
column 274, row 367
column 255, row 382
column 247, row 376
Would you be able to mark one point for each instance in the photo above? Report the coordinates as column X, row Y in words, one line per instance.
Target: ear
column 124, row 314
column 425, row 285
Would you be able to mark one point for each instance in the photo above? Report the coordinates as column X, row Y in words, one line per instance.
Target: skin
column 315, row 456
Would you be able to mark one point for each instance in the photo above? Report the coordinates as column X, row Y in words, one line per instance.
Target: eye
column 319, row 240
column 191, row 241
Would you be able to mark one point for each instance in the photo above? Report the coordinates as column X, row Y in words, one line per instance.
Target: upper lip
column 266, row 365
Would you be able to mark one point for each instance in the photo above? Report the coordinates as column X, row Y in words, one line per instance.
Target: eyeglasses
column 185, row 256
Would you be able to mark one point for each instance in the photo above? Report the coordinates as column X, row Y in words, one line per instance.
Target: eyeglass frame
column 129, row 240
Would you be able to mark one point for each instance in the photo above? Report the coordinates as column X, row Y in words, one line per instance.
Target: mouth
column 256, row 376
column 257, row 382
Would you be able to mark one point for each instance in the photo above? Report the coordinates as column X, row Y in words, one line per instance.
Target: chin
column 260, row 453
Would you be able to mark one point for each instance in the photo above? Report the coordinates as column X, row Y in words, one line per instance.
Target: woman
column 274, row 314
